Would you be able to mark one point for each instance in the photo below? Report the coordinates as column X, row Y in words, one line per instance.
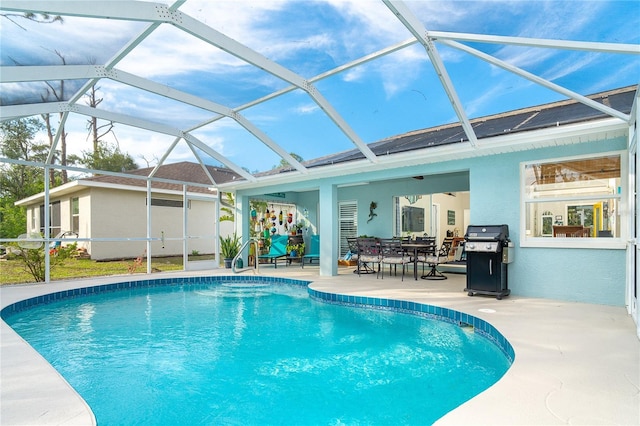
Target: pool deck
column 575, row 363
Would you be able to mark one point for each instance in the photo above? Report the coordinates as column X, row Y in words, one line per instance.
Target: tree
column 19, row 181
column 284, row 163
column 230, row 201
column 58, row 95
column 96, row 132
column 107, row 157
column 17, row 143
column 42, row 18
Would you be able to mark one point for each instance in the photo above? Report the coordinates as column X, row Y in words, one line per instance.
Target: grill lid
column 487, row 233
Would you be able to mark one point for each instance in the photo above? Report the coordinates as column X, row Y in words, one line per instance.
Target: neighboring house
column 112, row 207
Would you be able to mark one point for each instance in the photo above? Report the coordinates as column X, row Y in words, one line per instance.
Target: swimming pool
column 221, row 350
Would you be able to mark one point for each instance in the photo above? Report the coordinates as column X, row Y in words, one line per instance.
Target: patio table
column 416, row 246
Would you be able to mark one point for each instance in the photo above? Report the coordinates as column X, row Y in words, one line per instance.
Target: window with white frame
column 75, row 215
column 348, row 224
column 573, row 202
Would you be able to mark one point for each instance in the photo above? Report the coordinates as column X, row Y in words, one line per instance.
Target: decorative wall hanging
column 372, row 207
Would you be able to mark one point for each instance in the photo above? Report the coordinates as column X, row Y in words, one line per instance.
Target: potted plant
column 229, row 248
column 295, row 250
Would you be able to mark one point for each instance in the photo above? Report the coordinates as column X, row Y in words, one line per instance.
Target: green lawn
column 13, row 271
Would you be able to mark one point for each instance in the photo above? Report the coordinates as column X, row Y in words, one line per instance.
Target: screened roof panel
column 247, row 83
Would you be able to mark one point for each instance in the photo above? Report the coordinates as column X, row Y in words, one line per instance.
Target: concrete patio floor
column 575, row 363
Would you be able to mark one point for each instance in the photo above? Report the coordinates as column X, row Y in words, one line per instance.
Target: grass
column 13, row 271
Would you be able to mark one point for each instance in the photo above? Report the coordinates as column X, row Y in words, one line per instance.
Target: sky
column 391, row 95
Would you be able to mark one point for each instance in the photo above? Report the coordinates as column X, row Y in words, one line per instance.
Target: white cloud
column 305, row 109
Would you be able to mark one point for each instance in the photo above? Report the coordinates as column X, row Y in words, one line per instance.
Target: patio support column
column 185, row 227
column 148, row 226
column 328, row 205
column 47, row 225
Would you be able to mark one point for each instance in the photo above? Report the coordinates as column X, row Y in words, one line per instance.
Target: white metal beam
column 164, row 156
column 532, row 77
column 59, row 72
column 215, row 38
column 16, row 74
column 131, row 11
column 166, row 91
column 413, row 24
column 153, row 12
column 56, row 139
column 123, row 52
column 160, row 128
column 11, row 112
column 632, row 49
column 319, row 77
column 205, row 148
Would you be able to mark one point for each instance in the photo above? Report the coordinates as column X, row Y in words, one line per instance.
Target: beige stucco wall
column 116, row 213
column 122, row 214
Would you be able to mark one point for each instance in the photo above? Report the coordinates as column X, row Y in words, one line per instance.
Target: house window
column 573, row 202
column 54, row 219
column 166, row 203
column 348, row 222
column 75, row 215
column 34, row 222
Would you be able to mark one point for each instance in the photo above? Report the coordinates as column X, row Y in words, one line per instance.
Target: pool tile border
column 137, row 284
column 452, row 316
column 480, row 326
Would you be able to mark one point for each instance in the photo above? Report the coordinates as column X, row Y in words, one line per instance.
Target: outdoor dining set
column 374, row 254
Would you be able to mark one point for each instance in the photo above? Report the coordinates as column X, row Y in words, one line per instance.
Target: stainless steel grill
column 489, row 252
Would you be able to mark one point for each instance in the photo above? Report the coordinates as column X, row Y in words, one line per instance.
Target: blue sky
column 382, row 98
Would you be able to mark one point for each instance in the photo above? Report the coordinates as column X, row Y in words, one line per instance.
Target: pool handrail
column 256, row 267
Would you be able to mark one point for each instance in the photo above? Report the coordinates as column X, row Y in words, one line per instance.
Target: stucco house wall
column 122, row 214
column 593, row 275
column 118, row 213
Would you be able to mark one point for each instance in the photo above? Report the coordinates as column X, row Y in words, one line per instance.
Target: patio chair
column 392, row 254
column 428, row 248
column 314, row 250
column 368, row 255
column 434, row 259
column 352, row 242
column 277, row 250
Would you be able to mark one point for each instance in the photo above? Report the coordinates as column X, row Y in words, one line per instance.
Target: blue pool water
column 256, row 354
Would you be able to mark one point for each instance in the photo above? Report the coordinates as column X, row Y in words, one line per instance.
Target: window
column 54, row 219
column 348, row 224
column 34, row 221
column 165, row 203
column 75, row 215
column 412, row 219
column 574, row 202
